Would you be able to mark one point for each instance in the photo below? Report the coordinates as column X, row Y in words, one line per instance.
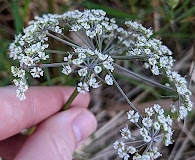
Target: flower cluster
column 30, row 48
column 93, row 23
column 89, row 64
column 154, row 128
column 160, row 61
column 180, row 84
column 20, row 82
column 159, row 56
column 101, row 43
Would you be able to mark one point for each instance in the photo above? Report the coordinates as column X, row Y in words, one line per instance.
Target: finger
column 41, row 103
column 11, row 146
column 58, row 136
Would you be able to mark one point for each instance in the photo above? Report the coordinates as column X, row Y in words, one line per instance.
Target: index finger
column 41, row 103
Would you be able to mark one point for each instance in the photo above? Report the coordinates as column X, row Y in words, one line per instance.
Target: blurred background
column 173, row 21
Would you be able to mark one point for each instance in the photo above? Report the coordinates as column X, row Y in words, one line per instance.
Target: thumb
column 58, row 136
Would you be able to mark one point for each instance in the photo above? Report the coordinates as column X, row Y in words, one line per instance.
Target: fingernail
column 83, row 125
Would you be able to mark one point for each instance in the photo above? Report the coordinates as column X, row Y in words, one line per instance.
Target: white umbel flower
column 82, row 87
column 82, row 72
column 109, row 80
column 36, row 72
column 93, row 83
column 66, row 69
column 125, row 133
column 97, row 69
column 133, row 116
column 151, row 131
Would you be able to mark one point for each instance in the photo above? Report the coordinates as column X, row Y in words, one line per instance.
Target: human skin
column 58, row 133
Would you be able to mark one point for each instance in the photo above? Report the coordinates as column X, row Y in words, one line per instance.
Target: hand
column 58, row 133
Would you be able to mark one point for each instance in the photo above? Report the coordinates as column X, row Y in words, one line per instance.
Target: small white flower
column 107, row 65
column 145, row 157
column 155, row 70
column 98, row 31
column 82, row 55
column 97, row 69
column 156, row 153
column 156, row 107
column 109, row 80
column 36, row 72
column 123, row 154
column 17, row 72
column 90, row 34
column 149, row 111
column 75, row 28
column 93, row 83
column 66, row 59
column 67, row 70
column 125, row 133
column 143, row 131
column 182, row 112
column 131, row 149
column 86, row 26
column 20, row 94
column 169, row 120
column 168, row 142
column 77, row 61
column 21, row 84
column 27, row 61
column 16, row 82
column 156, row 126
column 101, row 56
column 152, row 61
column 90, row 52
column 58, row 30
column 147, row 122
column 165, row 126
column 82, row 87
column 132, row 116
column 119, row 145
column 43, row 56
column 82, row 72
column 161, row 119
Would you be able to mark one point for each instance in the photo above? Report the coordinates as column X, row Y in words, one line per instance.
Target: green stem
column 128, row 57
column 70, row 100
column 123, row 93
column 63, row 41
column 144, row 78
column 30, row 130
column 55, row 51
column 82, row 39
column 47, row 65
column 114, row 46
column 65, row 107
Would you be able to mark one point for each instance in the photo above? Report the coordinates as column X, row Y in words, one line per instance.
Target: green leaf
column 18, row 20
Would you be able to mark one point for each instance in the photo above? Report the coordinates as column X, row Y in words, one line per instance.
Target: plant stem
column 47, row 65
column 123, row 93
column 31, row 130
column 114, row 46
column 128, row 57
column 144, row 78
column 56, row 51
column 65, row 107
column 70, row 100
column 63, row 41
